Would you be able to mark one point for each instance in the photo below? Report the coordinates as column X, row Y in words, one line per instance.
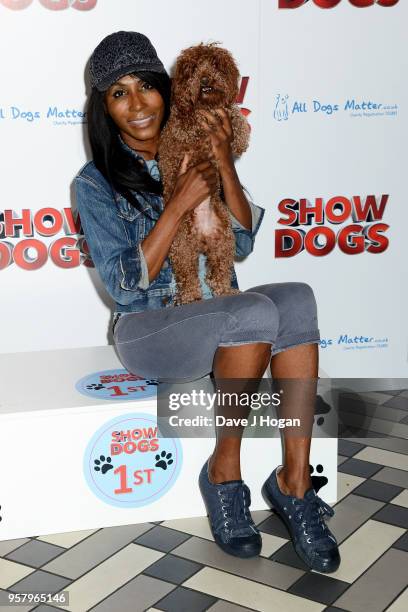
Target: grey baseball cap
column 122, row 53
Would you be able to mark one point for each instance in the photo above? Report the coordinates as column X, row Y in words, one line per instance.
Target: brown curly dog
column 206, row 77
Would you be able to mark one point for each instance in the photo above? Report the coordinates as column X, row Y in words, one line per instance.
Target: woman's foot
column 231, row 523
column 304, row 517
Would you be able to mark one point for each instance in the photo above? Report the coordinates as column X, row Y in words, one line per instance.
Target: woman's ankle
column 294, row 483
column 221, row 469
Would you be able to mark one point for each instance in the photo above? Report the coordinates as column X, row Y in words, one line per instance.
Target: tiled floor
column 176, row 566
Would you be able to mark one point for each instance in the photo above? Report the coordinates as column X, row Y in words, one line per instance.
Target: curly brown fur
column 206, row 77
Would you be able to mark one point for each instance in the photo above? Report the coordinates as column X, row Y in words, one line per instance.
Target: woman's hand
column 219, row 129
column 194, row 185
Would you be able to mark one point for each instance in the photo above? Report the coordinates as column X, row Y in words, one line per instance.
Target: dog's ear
column 227, row 66
column 184, row 81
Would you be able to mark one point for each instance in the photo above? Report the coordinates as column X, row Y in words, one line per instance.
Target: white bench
column 51, row 436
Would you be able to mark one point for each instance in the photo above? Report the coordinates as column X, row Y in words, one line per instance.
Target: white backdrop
column 327, row 101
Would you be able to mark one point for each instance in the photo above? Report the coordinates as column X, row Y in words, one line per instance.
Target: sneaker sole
column 315, row 566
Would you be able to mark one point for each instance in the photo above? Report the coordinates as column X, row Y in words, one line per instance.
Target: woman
column 129, row 234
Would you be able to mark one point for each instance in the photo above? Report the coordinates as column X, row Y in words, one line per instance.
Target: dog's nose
column 204, row 81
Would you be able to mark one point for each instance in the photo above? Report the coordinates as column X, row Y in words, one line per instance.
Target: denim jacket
column 114, row 229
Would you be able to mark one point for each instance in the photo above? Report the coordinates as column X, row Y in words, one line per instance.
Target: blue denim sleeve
column 245, row 238
column 116, row 260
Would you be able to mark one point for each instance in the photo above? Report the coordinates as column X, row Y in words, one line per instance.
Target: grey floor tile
column 288, row 556
column 399, row 402
column 95, row 549
column 40, row 582
column 162, row 538
column 35, row 553
column 173, row 569
column 259, row 569
column 367, row 409
column 350, row 514
column 6, row 546
column 341, row 459
column 319, row 588
column 226, row 606
column 393, row 476
column 334, row 609
column 396, row 445
column 135, row 596
column 375, row 489
column 405, row 420
column 394, row 515
column 379, row 586
column 275, row 526
column 364, row 469
column 402, row 543
column 185, row 600
column 349, row 448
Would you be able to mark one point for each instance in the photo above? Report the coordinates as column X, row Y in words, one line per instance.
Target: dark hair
column 113, row 160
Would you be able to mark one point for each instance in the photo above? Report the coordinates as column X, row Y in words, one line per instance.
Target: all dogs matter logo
column 285, row 108
column 327, row 4
column 361, row 218
column 52, row 5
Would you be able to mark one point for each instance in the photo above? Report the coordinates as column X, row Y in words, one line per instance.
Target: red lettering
column 288, row 242
column 242, row 90
column 6, row 254
column 313, row 246
column 333, row 206
column 370, row 211
column 23, row 259
column 130, row 447
column 327, row 4
column 149, row 472
column 50, row 215
column 306, row 211
column 71, row 225
column 64, row 254
column 286, row 207
column 16, row 5
column 116, row 449
column 374, row 234
column 350, row 240
column 12, row 223
column 84, row 5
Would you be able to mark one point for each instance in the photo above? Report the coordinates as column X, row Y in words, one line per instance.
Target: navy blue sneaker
column 313, row 541
column 231, row 523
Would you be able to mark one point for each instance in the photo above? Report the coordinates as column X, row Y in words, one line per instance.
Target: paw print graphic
column 106, row 464
column 95, row 387
column 321, row 408
column 163, row 460
column 153, row 381
column 318, row 481
column 0, row 516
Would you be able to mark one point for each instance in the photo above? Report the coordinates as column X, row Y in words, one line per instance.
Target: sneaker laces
column 234, row 514
column 310, row 513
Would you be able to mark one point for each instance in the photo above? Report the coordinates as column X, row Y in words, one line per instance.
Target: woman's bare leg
column 300, row 362
column 245, row 361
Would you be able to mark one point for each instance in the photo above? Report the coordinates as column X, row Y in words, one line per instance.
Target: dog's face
column 206, row 77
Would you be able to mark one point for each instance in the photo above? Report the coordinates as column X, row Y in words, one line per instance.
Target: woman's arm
column 192, row 187
column 219, row 129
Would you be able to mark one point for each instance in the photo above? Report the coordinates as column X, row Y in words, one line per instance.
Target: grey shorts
column 180, row 342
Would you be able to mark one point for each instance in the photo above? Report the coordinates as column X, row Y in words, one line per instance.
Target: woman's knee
column 256, row 309
column 300, row 303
